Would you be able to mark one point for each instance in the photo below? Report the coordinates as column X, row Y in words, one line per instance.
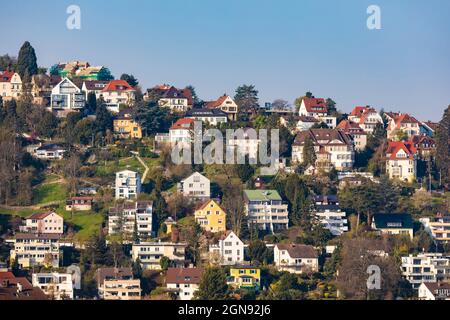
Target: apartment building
column 45, row 222
column 335, row 144
column 211, row 216
column 195, row 186
column 229, row 250
column 10, row 85
column 55, row 285
column 36, row 250
column 296, row 258
column 66, row 97
column 328, row 213
column 401, row 162
column 438, row 227
column 425, row 267
column 118, row 284
column 183, row 282
column 150, row 253
column 130, row 217
column 266, row 209
column 128, row 184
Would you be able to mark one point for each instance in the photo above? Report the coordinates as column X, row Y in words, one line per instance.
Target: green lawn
column 112, row 167
column 49, row 193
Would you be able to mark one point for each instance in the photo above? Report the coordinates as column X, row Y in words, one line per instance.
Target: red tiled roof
column 9, row 288
column 6, row 76
column 395, row 146
column 183, row 124
column 118, row 85
column 216, row 103
column 357, row 111
column 400, row 118
column 350, row 127
column 315, row 105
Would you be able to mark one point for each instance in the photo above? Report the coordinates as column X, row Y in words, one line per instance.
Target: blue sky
column 283, row 47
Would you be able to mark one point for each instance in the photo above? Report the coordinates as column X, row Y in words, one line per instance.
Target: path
column 145, row 166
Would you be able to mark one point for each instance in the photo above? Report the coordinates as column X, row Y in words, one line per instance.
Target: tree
column 245, row 171
column 152, row 118
column 7, row 63
column 443, row 147
column 287, row 288
column 246, row 98
column 213, row 285
column 331, row 106
column 165, row 263
column 103, row 119
column 91, row 103
column 280, row 104
column 232, row 202
column 26, row 62
column 297, row 194
column 258, row 252
column 309, row 154
column 105, row 75
column 130, row 79
column 196, row 100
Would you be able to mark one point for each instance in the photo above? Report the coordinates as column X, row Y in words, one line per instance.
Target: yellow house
column 244, row 277
column 125, row 127
column 211, row 217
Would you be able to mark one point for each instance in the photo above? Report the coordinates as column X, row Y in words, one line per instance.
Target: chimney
column 19, row 287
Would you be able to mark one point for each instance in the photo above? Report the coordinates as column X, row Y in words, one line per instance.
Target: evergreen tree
column 443, row 147
column 130, row 79
column 309, row 154
column 26, row 62
column 258, row 252
column 247, row 99
column 91, row 104
column 213, row 285
column 103, row 118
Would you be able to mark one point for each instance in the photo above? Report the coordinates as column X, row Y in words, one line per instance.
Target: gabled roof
column 350, row 127
column 392, row 221
column 39, row 216
column 420, row 140
column 315, row 105
column 395, row 146
column 6, row 76
column 118, row 85
column 438, row 289
column 184, row 275
column 183, row 124
column 400, row 118
column 95, row 84
column 18, row 288
column 217, row 103
column 299, row 251
column 324, row 137
column 204, row 204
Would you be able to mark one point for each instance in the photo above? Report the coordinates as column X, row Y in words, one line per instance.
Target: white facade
column 296, row 258
column 228, row 251
column 128, row 184
column 130, row 217
column 366, row 117
column 425, row 267
column 184, row 282
column 438, row 228
column 36, row 250
column 150, row 253
column 56, row 285
column 331, row 217
column 434, row 291
column 245, row 144
column 195, row 186
column 49, row 222
column 49, row 152
column 66, row 96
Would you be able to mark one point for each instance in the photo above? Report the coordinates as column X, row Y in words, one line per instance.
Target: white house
column 128, row 184
column 66, row 97
column 183, row 282
column 174, row 99
column 401, row 122
column 150, row 253
column 128, row 217
column 425, row 267
column 209, row 116
column 10, row 85
column 118, row 284
column 49, row 152
column 366, row 118
column 334, row 143
column 195, row 186
column 228, row 251
column 317, row 108
column 329, row 214
column 434, row 291
column 181, row 133
column 358, row 135
column 296, row 258
column 117, row 92
column 244, row 142
column 438, row 227
column 226, row 104
column 393, row 224
column 58, row 286
column 46, row 222
column 400, row 161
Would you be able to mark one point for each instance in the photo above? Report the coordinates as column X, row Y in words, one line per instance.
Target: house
column 244, row 142
column 209, row 116
column 296, row 258
column 49, row 152
column 10, row 85
column 229, row 250
column 174, row 99
column 41, row 88
column 245, row 277
column 150, row 253
column 93, row 86
column 400, row 161
column 129, row 218
column 116, row 93
column 46, row 222
column 125, row 127
column 438, row 227
column 18, row 288
column 317, row 108
column 226, row 104
column 58, row 286
column 424, row 145
column 36, row 250
column 79, row 203
column 181, row 132
column 332, row 146
column 196, row 186
column 401, row 122
column 428, row 128
column 305, row 123
column 393, row 224
column 425, row 267
column 211, row 216
column 358, row 135
column 434, row 291
column 329, row 215
column 128, row 184
column 266, row 210
column 118, row 284
column 183, row 281
column 366, row 118
column 66, row 97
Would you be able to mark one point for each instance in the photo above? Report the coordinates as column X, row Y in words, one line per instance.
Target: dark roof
column 299, row 250
column 436, row 287
column 9, row 288
column 392, row 221
column 50, row 147
column 49, row 236
column 184, row 275
column 95, row 84
column 331, row 199
column 205, row 112
column 324, row 137
column 113, row 274
column 39, row 216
